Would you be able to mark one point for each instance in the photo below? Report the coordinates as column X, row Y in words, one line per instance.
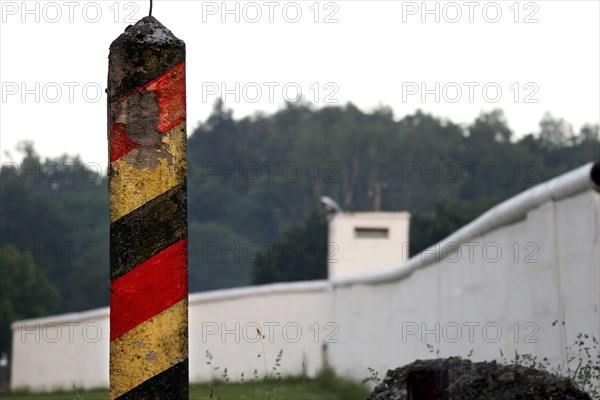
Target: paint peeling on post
column 148, row 214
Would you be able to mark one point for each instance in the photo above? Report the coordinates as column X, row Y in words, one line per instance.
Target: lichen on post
column 148, row 214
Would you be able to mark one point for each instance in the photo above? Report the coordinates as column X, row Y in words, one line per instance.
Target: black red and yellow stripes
column 148, row 214
column 155, row 225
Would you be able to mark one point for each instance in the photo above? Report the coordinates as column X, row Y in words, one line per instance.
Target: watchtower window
column 371, row 233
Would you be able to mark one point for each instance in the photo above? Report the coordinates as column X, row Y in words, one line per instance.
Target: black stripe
column 134, row 60
column 172, row 384
column 148, row 230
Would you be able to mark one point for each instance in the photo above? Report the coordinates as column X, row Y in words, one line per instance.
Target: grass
column 325, row 387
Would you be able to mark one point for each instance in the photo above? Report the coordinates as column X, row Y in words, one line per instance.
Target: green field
column 324, row 387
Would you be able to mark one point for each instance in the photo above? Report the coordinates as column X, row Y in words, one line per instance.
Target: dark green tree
column 490, row 127
column 219, row 257
column 555, row 132
column 25, row 292
column 298, row 254
column 447, row 216
column 56, row 210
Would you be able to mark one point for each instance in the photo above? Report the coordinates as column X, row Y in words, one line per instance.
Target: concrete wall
column 486, row 303
column 290, row 316
column 61, row 351
column 499, row 283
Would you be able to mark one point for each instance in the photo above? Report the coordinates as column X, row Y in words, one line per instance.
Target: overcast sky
column 452, row 59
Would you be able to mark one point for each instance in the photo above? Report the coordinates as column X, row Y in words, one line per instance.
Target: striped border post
column 148, row 214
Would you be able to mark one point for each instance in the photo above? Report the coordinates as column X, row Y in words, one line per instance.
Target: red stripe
column 170, row 96
column 151, row 287
column 120, row 142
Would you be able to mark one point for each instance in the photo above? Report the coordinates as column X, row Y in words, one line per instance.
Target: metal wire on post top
column 150, row 13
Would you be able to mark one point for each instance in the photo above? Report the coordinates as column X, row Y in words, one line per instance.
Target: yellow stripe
column 130, row 187
column 148, row 349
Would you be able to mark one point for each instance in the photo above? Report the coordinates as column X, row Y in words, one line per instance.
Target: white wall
column 509, row 304
column 505, row 302
column 62, row 351
column 225, row 323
